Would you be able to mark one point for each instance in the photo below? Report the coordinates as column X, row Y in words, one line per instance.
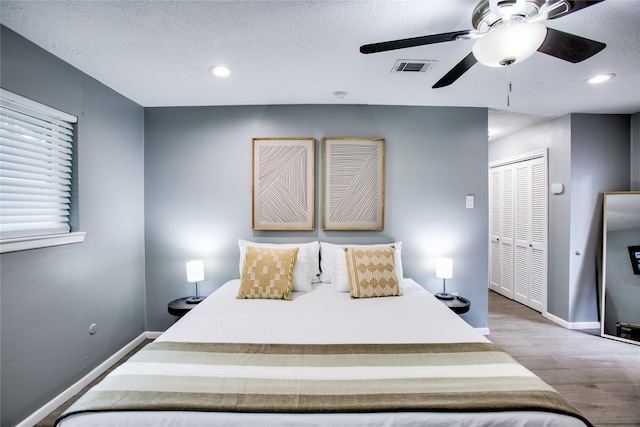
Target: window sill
column 36, row 242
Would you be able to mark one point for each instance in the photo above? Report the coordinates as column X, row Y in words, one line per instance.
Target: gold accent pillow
column 371, row 272
column 268, row 273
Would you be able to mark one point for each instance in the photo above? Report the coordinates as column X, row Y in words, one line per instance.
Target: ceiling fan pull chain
column 508, row 84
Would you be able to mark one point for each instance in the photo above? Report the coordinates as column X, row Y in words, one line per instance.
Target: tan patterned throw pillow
column 268, row 273
column 371, row 272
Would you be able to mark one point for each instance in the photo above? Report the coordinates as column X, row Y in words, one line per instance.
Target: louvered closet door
column 530, row 261
column 538, row 272
column 501, row 230
column 495, row 204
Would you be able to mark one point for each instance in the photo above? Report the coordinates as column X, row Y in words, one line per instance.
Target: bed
column 322, row 358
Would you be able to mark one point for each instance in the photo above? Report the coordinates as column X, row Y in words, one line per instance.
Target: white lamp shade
column 195, row 271
column 444, row 268
column 509, row 43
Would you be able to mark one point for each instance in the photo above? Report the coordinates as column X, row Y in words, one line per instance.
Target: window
column 36, row 153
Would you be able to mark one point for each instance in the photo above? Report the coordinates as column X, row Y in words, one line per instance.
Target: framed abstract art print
column 353, row 183
column 283, row 184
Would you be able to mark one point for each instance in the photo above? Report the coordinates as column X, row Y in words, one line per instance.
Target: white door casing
column 518, row 230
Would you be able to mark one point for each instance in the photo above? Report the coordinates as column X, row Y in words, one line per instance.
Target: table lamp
column 195, row 273
column 444, row 271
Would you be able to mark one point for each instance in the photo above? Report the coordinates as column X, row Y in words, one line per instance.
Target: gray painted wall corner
column 49, row 297
column 600, row 149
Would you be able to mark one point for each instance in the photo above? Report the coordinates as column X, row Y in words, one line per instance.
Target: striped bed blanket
column 468, row 377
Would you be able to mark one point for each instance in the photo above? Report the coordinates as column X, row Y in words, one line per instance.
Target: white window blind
column 36, row 151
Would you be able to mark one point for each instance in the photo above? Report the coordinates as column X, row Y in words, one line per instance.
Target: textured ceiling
column 157, row 53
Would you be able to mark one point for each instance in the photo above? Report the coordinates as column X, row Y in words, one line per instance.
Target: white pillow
column 326, row 261
column 306, row 271
column 333, row 257
column 302, row 274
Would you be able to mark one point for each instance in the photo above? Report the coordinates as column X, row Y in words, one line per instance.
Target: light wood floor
column 600, row 377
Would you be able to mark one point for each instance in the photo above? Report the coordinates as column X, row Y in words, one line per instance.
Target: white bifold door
column 518, row 231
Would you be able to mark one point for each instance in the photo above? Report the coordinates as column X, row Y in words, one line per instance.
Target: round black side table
column 458, row 304
column 179, row 307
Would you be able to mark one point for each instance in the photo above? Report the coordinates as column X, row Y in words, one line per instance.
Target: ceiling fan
column 508, row 31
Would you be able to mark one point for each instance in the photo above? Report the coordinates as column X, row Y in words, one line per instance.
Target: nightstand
column 179, row 307
column 457, row 304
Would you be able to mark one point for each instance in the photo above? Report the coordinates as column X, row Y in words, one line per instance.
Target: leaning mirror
column 620, row 317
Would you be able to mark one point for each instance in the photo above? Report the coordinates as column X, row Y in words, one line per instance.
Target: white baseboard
column 572, row 325
column 52, row 405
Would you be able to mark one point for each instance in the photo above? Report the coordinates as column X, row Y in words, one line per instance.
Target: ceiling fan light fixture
column 510, row 43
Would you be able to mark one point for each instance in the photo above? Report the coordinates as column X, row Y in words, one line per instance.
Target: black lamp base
column 194, row 300
column 444, row 295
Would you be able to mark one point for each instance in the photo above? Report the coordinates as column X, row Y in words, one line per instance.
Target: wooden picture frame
column 353, row 183
column 283, row 184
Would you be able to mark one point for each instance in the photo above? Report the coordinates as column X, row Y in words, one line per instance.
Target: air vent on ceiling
column 413, row 65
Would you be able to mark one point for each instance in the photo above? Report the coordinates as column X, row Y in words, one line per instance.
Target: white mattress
column 322, row 316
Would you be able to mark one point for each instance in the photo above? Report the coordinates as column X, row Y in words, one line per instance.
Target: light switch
column 471, row 201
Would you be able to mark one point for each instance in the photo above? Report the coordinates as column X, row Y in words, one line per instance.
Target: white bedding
column 329, row 317
column 322, row 316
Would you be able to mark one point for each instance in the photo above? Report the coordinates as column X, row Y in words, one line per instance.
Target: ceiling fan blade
column 569, row 47
column 412, row 42
column 456, row 72
column 575, row 5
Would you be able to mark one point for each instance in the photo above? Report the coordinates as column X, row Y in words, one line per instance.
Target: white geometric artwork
column 353, row 183
column 283, row 184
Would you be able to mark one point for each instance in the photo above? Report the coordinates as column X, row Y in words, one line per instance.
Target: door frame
column 544, row 153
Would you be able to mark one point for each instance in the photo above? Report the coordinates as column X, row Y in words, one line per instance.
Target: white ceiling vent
column 413, row 65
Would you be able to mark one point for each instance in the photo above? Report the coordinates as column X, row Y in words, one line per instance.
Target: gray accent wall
column 589, row 155
column 50, row 297
column 600, row 150
column 198, row 191
column 635, row 152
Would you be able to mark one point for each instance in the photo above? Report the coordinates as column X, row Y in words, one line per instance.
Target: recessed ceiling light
column 600, row 78
column 220, row 71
